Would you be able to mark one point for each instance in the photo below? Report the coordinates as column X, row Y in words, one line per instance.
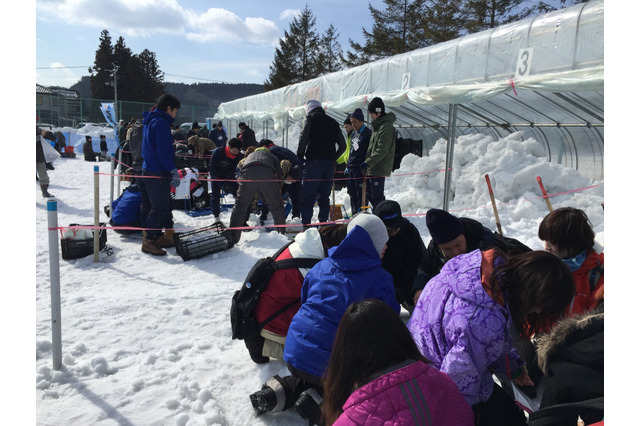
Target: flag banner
column 109, row 113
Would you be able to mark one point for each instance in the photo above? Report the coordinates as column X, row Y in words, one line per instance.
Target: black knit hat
column 219, row 123
column 347, row 120
column 390, row 213
column 357, row 114
column 443, row 226
column 376, row 105
column 195, row 125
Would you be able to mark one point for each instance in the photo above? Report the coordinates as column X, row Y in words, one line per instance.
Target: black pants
column 498, row 410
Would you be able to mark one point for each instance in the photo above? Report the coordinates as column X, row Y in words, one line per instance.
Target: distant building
column 56, row 106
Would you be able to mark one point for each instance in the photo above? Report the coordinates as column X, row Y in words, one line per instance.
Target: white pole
column 119, row 166
column 113, row 168
column 96, row 213
column 54, row 277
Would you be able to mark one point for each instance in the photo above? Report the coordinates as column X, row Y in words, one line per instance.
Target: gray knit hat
column 313, row 104
column 375, row 228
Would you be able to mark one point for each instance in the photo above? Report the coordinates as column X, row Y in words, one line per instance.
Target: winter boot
column 166, row 240
column 308, row 406
column 45, row 193
column 152, row 247
column 271, row 398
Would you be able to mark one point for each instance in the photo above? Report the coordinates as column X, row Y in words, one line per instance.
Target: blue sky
column 194, row 40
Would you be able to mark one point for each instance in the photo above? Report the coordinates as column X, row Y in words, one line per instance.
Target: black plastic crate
column 201, row 242
column 78, row 248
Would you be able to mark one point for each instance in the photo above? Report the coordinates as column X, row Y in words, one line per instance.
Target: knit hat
column 313, row 104
column 219, row 123
column 374, row 227
column 390, row 213
column 376, row 105
column 195, row 125
column 347, row 120
column 443, row 226
column 357, row 114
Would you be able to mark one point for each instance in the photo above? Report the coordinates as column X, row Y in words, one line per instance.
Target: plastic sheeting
column 541, row 74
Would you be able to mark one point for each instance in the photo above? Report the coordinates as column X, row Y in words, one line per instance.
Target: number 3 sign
column 524, row 63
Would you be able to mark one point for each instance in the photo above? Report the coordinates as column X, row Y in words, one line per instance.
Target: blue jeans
column 317, row 178
column 155, row 211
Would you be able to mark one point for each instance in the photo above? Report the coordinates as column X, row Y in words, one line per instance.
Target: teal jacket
column 382, row 146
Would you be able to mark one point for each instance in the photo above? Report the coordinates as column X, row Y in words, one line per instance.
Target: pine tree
column 396, row 29
column 443, row 20
column 139, row 77
column 152, row 85
column 330, row 58
column 296, row 58
column 102, row 67
column 485, row 14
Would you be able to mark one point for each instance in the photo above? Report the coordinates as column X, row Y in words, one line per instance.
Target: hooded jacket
column 285, row 284
column 157, row 142
column 352, row 272
column 411, row 394
column 459, row 326
column 572, row 358
column 382, row 146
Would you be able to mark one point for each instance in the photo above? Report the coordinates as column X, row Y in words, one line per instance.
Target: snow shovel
column 365, row 205
column 335, row 211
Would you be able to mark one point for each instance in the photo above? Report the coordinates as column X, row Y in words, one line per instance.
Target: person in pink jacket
column 377, row 375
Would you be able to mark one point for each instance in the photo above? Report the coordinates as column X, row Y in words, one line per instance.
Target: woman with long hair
column 376, row 375
column 461, row 322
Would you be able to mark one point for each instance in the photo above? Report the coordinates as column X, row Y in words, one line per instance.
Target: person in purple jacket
column 377, row 375
column 461, row 322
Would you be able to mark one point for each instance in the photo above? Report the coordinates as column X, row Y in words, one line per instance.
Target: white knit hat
column 375, row 228
column 313, row 104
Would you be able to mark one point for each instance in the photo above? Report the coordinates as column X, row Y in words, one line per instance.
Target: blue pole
column 54, row 277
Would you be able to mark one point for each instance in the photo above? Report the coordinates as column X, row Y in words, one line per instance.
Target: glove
column 175, row 178
column 346, row 172
column 364, row 166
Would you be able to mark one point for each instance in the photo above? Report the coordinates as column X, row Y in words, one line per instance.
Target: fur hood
column 566, row 333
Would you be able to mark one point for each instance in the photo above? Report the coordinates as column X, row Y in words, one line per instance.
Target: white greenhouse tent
column 543, row 76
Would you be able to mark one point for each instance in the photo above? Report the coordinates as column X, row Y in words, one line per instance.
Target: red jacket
column 586, row 299
column 286, row 284
column 283, row 288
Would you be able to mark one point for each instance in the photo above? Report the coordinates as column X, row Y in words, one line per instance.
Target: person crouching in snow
column 363, row 389
column 461, row 322
column 352, row 272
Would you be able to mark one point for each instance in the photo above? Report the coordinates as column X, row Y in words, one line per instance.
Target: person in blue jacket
column 218, row 135
column 159, row 173
column 352, row 272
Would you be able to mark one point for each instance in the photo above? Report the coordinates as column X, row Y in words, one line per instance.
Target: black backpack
column 243, row 323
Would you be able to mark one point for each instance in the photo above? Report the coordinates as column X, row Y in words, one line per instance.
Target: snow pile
column 146, row 340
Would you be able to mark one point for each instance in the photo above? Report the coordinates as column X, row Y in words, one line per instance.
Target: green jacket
column 382, row 146
column 345, row 155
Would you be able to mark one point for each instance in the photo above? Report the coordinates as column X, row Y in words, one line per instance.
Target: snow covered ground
column 146, row 340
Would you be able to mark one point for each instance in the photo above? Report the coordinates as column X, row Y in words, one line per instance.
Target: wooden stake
column 544, row 194
column 493, row 203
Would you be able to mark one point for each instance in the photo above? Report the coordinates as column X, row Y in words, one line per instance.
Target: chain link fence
column 66, row 111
